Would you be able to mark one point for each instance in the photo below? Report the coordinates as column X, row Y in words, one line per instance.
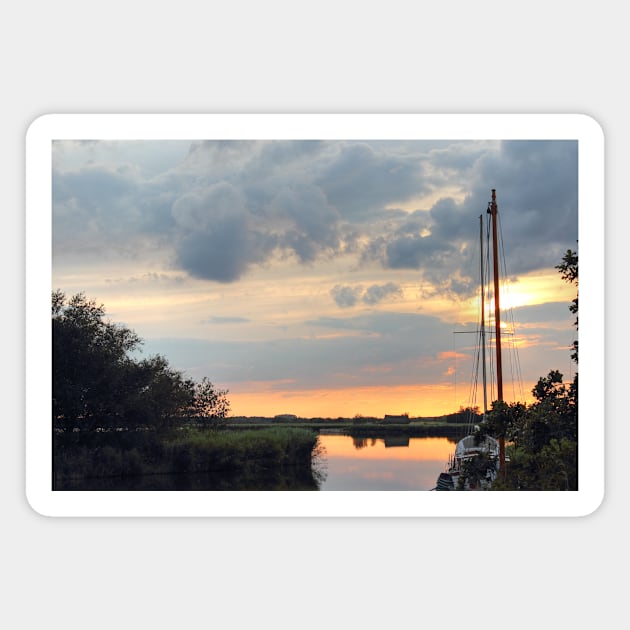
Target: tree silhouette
column 98, row 384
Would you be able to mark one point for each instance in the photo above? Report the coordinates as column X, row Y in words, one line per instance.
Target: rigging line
column 455, row 374
column 516, row 358
column 513, row 356
column 472, row 397
column 508, row 311
column 492, row 369
column 474, row 378
column 479, row 355
column 482, row 342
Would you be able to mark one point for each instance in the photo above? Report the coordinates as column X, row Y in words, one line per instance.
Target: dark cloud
column 379, row 292
column 231, row 205
column 457, row 157
column 346, row 296
column 310, row 224
column 360, row 179
column 537, row 188
column 224, row 251
column 416, row 251
column 217, row 237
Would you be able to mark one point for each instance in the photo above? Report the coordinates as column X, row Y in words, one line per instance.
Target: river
column 395, row 463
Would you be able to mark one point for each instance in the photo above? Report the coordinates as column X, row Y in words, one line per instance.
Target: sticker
column 324, row 273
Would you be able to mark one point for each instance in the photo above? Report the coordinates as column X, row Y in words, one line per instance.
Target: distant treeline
column 462, row 416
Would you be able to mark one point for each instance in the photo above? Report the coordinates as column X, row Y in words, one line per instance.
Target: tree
column 158, row 394
column 544, row 437
column 90, row 356
column 98, row 384
column 502, row 420
column 569, row 271
column 208, row 406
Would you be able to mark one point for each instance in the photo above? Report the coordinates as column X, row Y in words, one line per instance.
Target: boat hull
column 447, row 481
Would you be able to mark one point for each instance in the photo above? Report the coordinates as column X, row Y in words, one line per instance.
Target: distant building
column 285, row 416
column 404, row 419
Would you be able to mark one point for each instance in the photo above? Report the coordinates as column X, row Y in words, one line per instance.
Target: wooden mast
column 493, row 211
column 483, row 319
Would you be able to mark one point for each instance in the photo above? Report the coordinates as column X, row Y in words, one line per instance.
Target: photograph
column 282, row 307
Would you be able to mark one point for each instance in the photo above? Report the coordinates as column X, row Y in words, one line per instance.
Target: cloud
column 226, row 320
column 360, row 179
column 536, row 184
column 225, row 207
column 346, row 296
column 397, row 348
column 308, row 224
column 218, row 237
column 379, row 292
column 149, row 278
column 549, row 312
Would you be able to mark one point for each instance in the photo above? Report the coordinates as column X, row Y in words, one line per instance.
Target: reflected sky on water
column 398, row 463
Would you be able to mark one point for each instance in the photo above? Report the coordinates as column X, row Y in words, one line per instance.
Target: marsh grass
column 191, row 451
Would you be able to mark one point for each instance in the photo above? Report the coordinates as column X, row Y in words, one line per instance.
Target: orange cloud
column 451, row 354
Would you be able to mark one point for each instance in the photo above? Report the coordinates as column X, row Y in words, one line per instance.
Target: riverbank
column 363, row 427
column 247, row 453
column 272, row 457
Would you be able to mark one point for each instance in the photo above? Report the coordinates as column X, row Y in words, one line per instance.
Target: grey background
column 320, row 57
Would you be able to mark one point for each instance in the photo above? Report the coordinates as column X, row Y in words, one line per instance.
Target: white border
column 314, row 126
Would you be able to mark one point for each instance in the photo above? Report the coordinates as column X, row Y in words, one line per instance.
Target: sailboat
column 487, row 450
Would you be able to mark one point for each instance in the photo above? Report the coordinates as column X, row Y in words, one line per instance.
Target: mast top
column 492, row 205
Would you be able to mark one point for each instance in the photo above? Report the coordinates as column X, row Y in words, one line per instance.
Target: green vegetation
column 98, row 384
column 542, row 437
column 83, row 459
column 116, row 416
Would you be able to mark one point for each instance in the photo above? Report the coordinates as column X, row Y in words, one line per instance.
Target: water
column 396, row 463
column 345, row 463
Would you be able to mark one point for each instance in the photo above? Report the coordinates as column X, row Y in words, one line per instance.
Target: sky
column 322, row 278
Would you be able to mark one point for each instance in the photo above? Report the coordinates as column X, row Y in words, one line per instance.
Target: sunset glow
column 416, row 400
column 320, row 278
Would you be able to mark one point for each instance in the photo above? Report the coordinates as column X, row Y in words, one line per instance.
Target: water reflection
column 341, row 462
column 389, row 441
column 287, row 479
column 396, row 462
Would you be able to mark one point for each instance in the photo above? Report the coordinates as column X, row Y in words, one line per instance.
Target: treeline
column 118, row 419
column 463, row 416
column 98, row 383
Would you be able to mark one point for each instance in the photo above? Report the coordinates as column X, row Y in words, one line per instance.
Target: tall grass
column 190, row 451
